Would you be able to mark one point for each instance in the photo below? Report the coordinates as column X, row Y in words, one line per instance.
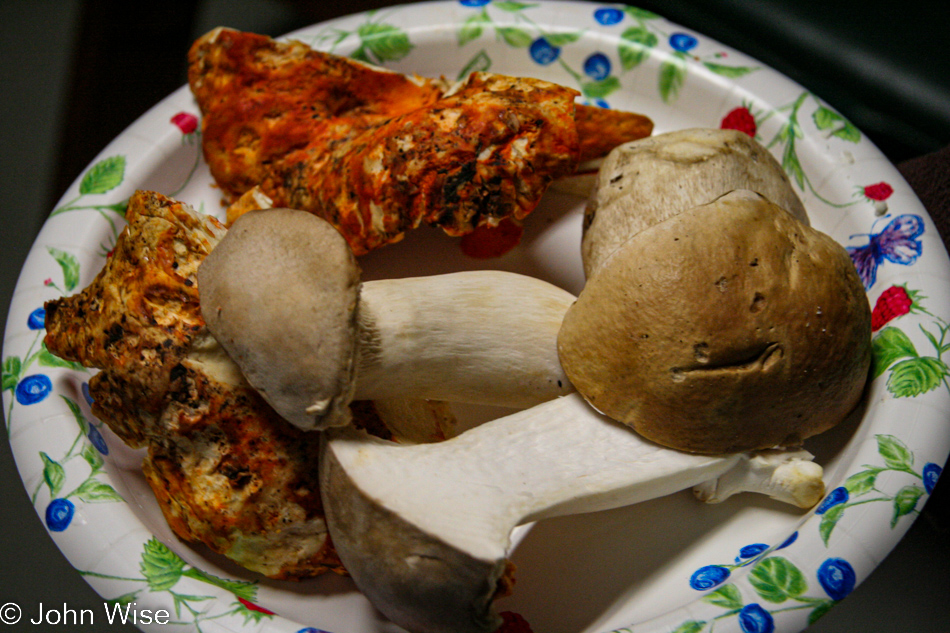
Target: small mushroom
column 728, row 327
column 282, row 294
column 649, row 180
column 425, row 530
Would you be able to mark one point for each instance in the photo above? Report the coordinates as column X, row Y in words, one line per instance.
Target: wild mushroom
column 737, row 328
column 647, row 181
column 424, row 530
column 281, row 292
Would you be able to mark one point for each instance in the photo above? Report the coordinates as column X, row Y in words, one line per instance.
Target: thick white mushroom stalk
column 425, row 530
column 282, row 294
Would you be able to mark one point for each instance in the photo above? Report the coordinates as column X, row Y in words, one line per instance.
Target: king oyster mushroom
column 649, row 180
column 282, row 294
column 748, row 348
column 783, row 353
column 740, row 328
column 425, row 530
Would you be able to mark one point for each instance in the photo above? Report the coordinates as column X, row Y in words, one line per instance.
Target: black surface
column 883, row 65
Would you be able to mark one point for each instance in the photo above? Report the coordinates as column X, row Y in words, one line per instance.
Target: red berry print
column 513, row 623
column 878, row 192
column 185, row 122
column 253, row 607
column 893, row 302
column 739, row 119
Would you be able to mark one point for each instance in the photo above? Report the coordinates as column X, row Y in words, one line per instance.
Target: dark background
column 75, row 74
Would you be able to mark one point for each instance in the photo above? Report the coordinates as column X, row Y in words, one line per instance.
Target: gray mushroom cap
column 644, row 182
column 280, row 293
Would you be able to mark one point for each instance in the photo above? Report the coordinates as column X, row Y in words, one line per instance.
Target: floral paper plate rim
column 603, row 50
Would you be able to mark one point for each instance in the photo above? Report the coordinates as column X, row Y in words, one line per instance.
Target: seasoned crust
column 226, row 470
column 229, row 473
column 377, row 153
column 140, row 315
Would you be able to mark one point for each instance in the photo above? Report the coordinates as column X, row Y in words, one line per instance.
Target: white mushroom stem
column 480, row 337
column 425, row 530
column 788, row 476
column 282, row 293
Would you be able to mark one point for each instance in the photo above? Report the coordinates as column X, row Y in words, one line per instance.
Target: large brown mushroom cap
column 280, row 293
column 729, row 327
column 649, row 180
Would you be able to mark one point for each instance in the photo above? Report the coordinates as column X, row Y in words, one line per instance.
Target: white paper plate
column 668, row 565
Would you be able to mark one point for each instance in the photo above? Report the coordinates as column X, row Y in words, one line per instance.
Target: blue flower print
column 86, row 395
column 708, row 577
column 597, row 66
column 97, row 440
column 683, row 42
column 836, row 497
column 59, row 513
column 931, row 474
column 37, row 319
column 836, row 576
column 751, row 551
column 608, row 16
column 474, row 3
column 543, row 52
column 754, row 619
column 791, row 539
column 311, row 629
column 33, row 389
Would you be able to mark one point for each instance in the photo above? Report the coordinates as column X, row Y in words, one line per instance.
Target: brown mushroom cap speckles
column 729, row 327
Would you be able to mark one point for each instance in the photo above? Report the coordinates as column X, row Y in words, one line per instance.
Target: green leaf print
column 513, row 36
column 240, row 588
column 777, row 579
column 829, row 520
column 822, row 608
column 93, row 458
column 912, row 377
column 889, row 346
column 672, row 76
column 385, row 41
column 473, row 27
column 791, row 163
column 81, row 420
column 862, row 482
column 11, row 372
column 53, row 474
column 827, row 119
column 104, row 176
column 512, row 7
column 905, row 502
column 161, row 567
column 640, row 14
column 94, row 491
column 635, row 45
column 727, row 597
column 729, row 71
column 690, row 626
column 600, row 89
column 46, row 358
column 70, row 266
column 479, row 63
column 562, row 39
column 895, row 453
